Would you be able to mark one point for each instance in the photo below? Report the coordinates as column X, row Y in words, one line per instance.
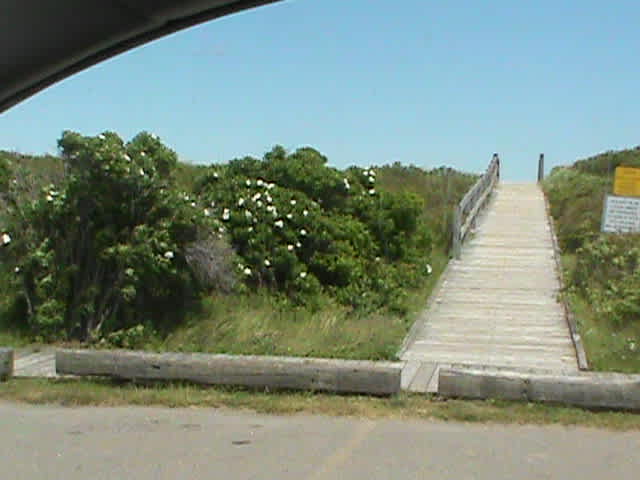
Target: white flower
column 215, row 175
column 129, row 272
column 6, row 239
column 193, row 204
column 16, row 270
column 293, row 202
column 207, row 212
column 259, row 203
column 270, row 186
column 303, row 274
column 143, row 154
column 267, row 263
column 346, row 184
column 247, row 214
column 303, row 232
column 221, row 229
column 372, row 180
column 248, row 183
column 632, row 346
column 290, row 248
column 240, row 202
column 298, row 245
column 365, row 173
column 49, row 198
column 377, row 259
column 279, row 223
column 372, row 191
column 168, row 255
column 250, row 229
column 213, row 204
column 256, row 197
column 186, row 198
column 259, row 182
column 268, row 197
column 226, row 214
column 101, row 137
column 289, row 216
column 270, row 208
column 247, row 271
column 141, row 172
column 305, row 212
column 127, row 157
column 429, row 269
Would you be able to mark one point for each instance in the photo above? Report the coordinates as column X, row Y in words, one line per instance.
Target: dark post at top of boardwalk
column 541, row 167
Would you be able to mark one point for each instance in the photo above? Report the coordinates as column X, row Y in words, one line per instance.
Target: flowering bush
column 303, row 228
column 607, row 273
column 106, row 250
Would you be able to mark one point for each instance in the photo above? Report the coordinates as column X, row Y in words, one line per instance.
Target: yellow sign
column 627, row 182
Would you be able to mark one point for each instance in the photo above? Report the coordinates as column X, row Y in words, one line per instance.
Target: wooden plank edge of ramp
column 589, row 390
column 6, row 363
column 344, row 376
column 576, row 339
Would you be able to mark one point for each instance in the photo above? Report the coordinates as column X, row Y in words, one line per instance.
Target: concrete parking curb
column 348, row 376
column 590, row 390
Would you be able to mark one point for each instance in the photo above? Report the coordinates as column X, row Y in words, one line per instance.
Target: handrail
column 470, row 205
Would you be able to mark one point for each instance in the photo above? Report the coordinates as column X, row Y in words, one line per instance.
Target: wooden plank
column 352, row 376
column 6, row 363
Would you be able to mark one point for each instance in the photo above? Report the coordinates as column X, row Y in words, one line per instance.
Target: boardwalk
column 497, row 306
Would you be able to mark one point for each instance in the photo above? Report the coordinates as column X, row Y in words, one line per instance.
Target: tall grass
column 603, row 270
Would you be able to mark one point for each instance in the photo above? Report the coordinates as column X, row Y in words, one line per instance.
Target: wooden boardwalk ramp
column 497, row 306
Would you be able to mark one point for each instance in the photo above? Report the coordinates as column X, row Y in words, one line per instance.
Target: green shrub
column 105, row 250
column 576, row 202
column 607, row 274
column 303, row 228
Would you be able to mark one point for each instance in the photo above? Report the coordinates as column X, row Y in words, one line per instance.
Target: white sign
column 621, row 214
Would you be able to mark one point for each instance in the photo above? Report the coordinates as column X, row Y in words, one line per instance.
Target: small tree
column 108, row 248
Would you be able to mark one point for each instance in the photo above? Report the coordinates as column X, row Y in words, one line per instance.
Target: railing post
column 457, row 226
column 541, row 168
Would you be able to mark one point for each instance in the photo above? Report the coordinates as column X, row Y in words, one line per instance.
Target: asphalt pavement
column 51, row 442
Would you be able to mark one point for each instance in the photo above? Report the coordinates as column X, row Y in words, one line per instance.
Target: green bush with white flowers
column 303, row 228
column 114, row 250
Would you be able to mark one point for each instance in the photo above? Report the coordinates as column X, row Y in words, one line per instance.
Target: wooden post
column 6, row 363
column 541, row 167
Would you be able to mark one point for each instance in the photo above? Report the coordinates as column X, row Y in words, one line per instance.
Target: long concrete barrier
column 591, row 390
column 349, row 376
column 6, row 363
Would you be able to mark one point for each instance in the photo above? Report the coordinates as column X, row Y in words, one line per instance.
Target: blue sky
column 369, row 82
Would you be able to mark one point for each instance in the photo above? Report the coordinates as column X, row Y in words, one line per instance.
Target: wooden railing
column 472, row 203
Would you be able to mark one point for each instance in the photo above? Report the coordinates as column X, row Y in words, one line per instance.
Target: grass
column 607, row 347
column 255, row 325
column 75, row 392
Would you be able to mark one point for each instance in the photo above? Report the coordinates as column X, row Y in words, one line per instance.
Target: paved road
column 153, row 443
